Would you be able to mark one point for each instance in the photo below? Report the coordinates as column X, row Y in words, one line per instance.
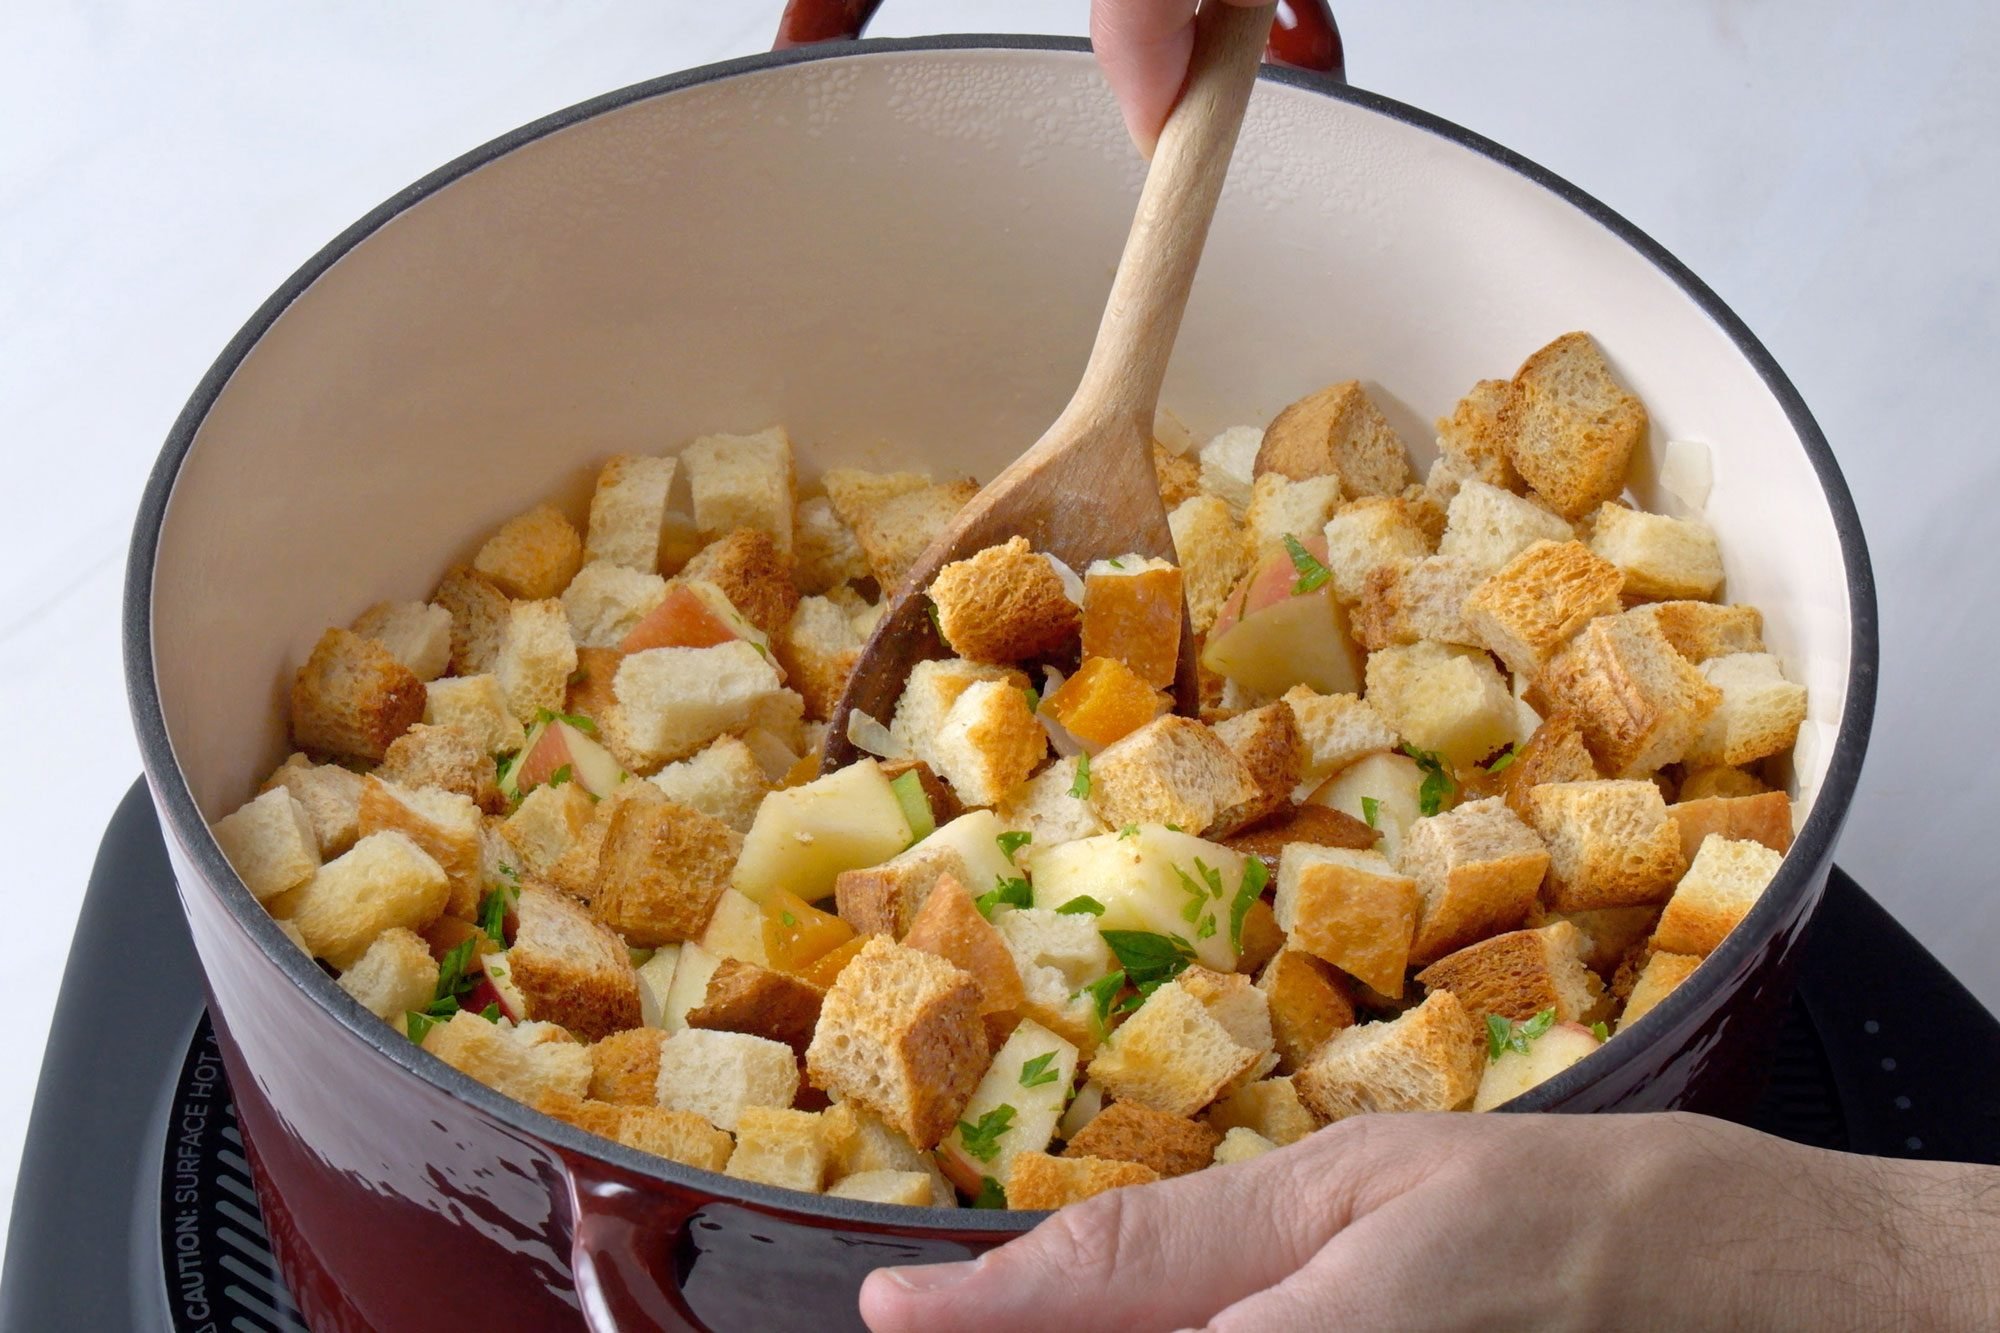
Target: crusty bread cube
column 718, row 1075
column 1004, row 604
column 724, row 781
column 1714, row 780
column 1719, row 889
column 854, row 491
column 1640, row 703
column 1470, row 439
column 1477, row 868
column 1759, row 715
column 743, row 481
column 1056, row 954
column 1701, row 630
column 1170, row 1145
column 678, row 1136
column 532, row 556
column 1443, row 698
column 385, row 880
column 1173, row 770
column 1337, row 431
column 1172, row 1054
column 1309, row 825
column 746, row 997
column 570, row 968
column 394, row 975
column 527, row 1061
column 1608, row 934
column 1132, row 613
column 660, row 871
column 1611, row 844
column 625, row 1067
column 895, row 531
column 417, row 634
column 536, row 656
column 825, row 552
column 1180, row 475
column 818, row 648
column 1569, row 427
column 1228, row 465
column 1214, row 552
column 949, row 925
column 1427, row 510
column 444, row 824
column 1428, row 1059
column 332, row 798
column 478, row 612
column 1272, row 750
column 1281, row 507
column 1337, row 729
column 753, row 572
column 1519, row 974
column 605, row 600
column 1554, row 753
column 1487, row 526
column 1351, row 908
column 477, row 707
column 1241, row 1145
column 545, row 824
column 885, row 899
column 929, row 694
column 674, row 701
column 270, row 842
column 1244, row 1011
column 1662, row 972
column 1366, row 534
column 1761, row 817
column 778, row 1146
column 1037, row 1180
column 899, row 1033
column 989, row 743
column 1659, row 556
column 861, row 1143
column 1270, row 1107
column 445, row 758
column 1538, row 601
column 909, row 1188
column 1309, row 1001
column 1413, row 600
column 1046, row 809
column 351, row 698
column 628, row 511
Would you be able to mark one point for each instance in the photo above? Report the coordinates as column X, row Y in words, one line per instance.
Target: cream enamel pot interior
column 898, row 250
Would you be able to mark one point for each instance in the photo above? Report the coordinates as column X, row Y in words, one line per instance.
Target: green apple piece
column 1150, row 879
column 1392, row 782
column 803, row 837
column 1083, row 1109
column 656, row 982
column 909, row 789
column 1548, row 1055
column 689, row 986
column 1038, row 1103
column 736, row 930
column 1270, row 637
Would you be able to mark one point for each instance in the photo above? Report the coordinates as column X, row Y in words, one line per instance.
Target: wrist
column 1946, row 1242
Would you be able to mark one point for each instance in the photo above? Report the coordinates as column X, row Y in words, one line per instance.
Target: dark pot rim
column 1812, row 848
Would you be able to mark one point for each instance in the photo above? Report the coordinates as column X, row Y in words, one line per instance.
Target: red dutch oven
column 899, row 249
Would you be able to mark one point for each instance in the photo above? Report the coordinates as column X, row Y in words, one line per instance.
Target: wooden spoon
column 1087, row 489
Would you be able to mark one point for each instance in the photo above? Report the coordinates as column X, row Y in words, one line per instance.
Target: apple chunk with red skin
column 555, row 745
column 1270, row 636
column 1547, row 1055
column 691, row 615
column 495, row 986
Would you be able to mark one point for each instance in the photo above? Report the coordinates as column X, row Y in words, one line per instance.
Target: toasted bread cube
column 1309, row 1002
column 824, row 549
column 444, row 824
column 527, row 1061
column 753, row 573
column 1038, row 1180
column 1721, row 886
column 743, row 997
column 1519, row 974
column 678, row 1136
column 933, row 688
column 1539, row 600
column 1269, row 1107
column 1443, row 698
column 897, row 530
column 1470, row 439
column 909, row 1188
column 1104, row 702
column 477, row 707
column 1414, row 600
column 1350, row 908
column 1132, row 611
column 1760, row 713
column 1244, row 1011
column 445, row 758
column 1639, row 702
column 1704, row 782
column 532, row 556
column 853, row 491
column 625, row 1066
column 1281, row 507
column 1659, row 556
column 1554, row 753
column 628, row 512
column 1338, row 730
column 899, row 1033
column 1056, row 954
column 1608, row 933
column 332, row 798
column 674, row 701
column 605, row 600
column 1611, row 844
column 718, row 1075
column 1337, row 431
column 478, row 612
column 1764, row 817
column 1569, row 427
column 545, row 824
column 1173, row 770
column 1701, row 630
column 1242, row 1145
column 1268, row 742
column 417, row 634
column 1312, row 825
column 1180, row 475
column 385, row 880
column 1004, row 604
column 1478, row 868
column 1133, row 1132
column 743, row 481
column 394, row 975
column 724, row 782
column 949, row 925
column 661, row 870
column 1228, row 466
column 886, row 898
column 570, row 968
column 1173, row 1054
column 351, row 698
column 818, row 648
column 989, row 744
column 862, row 1144
column 1429, row 1059
column 270, row 842
column 1214, row 553
column 1366, row 534
column 1488, row 527
column 1662, row 972
column 535, row 659
column 1046, row 809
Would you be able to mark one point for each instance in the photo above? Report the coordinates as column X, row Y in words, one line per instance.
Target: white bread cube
column 1488, row 526
column 527, row 1061
column 1242, row 1145
column 445, row 824
column 478, row 610
column 779, row 1146
column 1339, row 431
column 1269, row 1108
column 743, row 481
column 1661, row 557
column 476, row 707
column 818, row 648
column 1521, row 973
column 1760, row 713
column 1538, row 601
column 1611, row 844
column 1429, row 1059
column 417, row 634
column 894, row 533
column 863, row 1145
column 1366, row 534
column 1172, row 1054
column 1233, row 1000
column 1414, row 600
column 1338, row 730
column 989, row 744
column 537, row 654
column 1443, row 698
column 352, row 698
column 1281, row 507
column 910, row 1188
column 1056, row 954
column 385, row 880
column 1214, row 552
column 395, row 976
column 1470, row 442
column 1570, row 428
column 547, row 823
column 570, row 968
column 1718, row 891
column 628, row 512
column 1478, row 868
column 825, row 551
column 1349, row 908
column 1228, row 464
column 929, row 694
column 332, row 798
column 1701, row 630
column 605, row 600
column 724, row 781
column 1657, row 980
column 885, row 899
column 441, row 757
column 854, row 492
column 533, row 556
column 719, row 1074
column 1641, row 705
column 270, row 842
column 1173, row 770
column 674, row 701
column 1045, row 808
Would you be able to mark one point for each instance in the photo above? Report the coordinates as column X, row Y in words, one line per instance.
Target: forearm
column 1948, row 1224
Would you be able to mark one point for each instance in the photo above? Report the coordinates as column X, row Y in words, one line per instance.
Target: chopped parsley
column 1197, row 897
column 1210, row 876
column 1081, row 787
column 982, row 1140
column 453, row 985
column 419, row 1025
column 1011, row 843
column 1507, row 1034
column 1255, row 877
column 990, row 1194
column 1129, row 831
column 491, row 1013
column 493, row 909
column 1601, row 1032
column 1370, row 808
column 1004, row 893
column 1082, row 904
column 1036, row 1072
column 936, row 624
column 788, row 919
column 1437, row 786
column 1312, row 574
column 1102, row 992
column 560, row 776
column 1115, row 563
column 1207, row 927
column 1034, row 698
column 509, row 872
column 1504, row 762
column 577, row 720
column 1175, row 828
column 1149, row 957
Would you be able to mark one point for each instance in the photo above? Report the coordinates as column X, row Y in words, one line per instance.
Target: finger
column 1143, row 47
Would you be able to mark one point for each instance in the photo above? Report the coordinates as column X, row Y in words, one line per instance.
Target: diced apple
column 694, row 614
column 557, row 744
column 736, row 930
column 498, row 978
column 803, row 837
column 1548, row 1055
column 656, row 982
column 1032, row 1072
column 975, row 836
column 797, row 934
column 1381, row 791
column 1270, row 637
column 1083, row 1109
column 689, row 986
column 1151, row 879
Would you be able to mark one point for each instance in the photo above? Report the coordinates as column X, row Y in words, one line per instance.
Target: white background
column 1831, row 167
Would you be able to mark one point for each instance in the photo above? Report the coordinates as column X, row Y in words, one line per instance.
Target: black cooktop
column 134, row 1208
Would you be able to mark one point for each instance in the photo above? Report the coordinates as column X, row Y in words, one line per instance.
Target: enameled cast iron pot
column 898, row 249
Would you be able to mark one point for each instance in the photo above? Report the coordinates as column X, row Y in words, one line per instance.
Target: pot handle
column 1303, row 35
column 621, row 1240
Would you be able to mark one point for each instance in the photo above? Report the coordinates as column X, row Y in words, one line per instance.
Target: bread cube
column 1428, row 1059
column 1764, row 817
column 1104, row 702
column 989, row 743
column 447, row 759
column 1519, row 974
column 743, row 481
column 1569, row 427
column 1336, row 431
column 1554, row 753
column 899, row 1034
column 724, row 781
column 545, row 824
column 1641, row 705
column 1056, row 954
column 718, row 1075
column 625, row 1066
column 1133, row 1132
column 862, row 1144
column 824, row 549
column 1350, row 908
column 1366, row 534
column 853, row 491
column 417, row 634
column 1659, row 556
column 929, row 694
column 1004, row 604
column 351, row 698
column 1477, row 868
column 1701, row 630
column 1180, row 475
column 535, row 658
column 570, row 968
column 1487, row 526
column 1538, row 601
column 270, row 842
column 1414, row 600
column 1268, row 742
column 1173, row 770
column 1172, row 1054
column 1721, row 886
column 1610, row 844
column 1470, row 440
column 896, row 531
column 394, row 975
column 1242, row 1145
column 1337, row 730
column 753, row 572
column 385, row 880
column 527, row 1061
column 1759, row 715
column 1046, row 809
column 1662, row 972
column 674, row 701
column 628, row 512
column 1701, row 782
column 678, row 1136
column 1269, row 1107
column 744, row 997
column 532, row 556
column 1443, row 698
column 331, row 796
column 1214, row 552
column 478, row 612
column 475, row 706
column 909, row 1188
column 1281, row 507
column 885, row 899
column 1228, row 465
column 660, row 871
column 1308, row 999
column 818, row 648
column 605, row 600
column 444, row 824
column 1038, row 1180
column 949, row 925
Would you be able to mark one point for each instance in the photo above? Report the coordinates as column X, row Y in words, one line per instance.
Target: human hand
column 1485, row 1221
column 1144, row 47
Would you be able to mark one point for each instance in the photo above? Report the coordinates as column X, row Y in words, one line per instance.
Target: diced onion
column 772, row 754
column 1687, row 474
column 1060, row 739
column 1072, row 582
column 864, row 733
